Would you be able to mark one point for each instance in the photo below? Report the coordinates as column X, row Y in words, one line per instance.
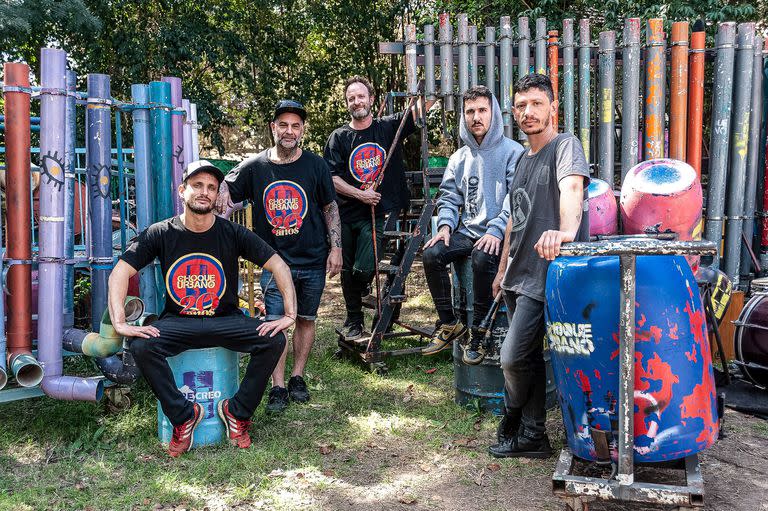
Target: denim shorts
column 309, row 286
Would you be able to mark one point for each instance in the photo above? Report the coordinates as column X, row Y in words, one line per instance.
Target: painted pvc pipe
column 742, row 98
column 429, row 62
column 607, row 70
column 569, row 96
column 3, row 342
column 523, row 56
column 106, row 342
column 764, row 166
column 144, row 189
column 445, row 35
column 195, row 135
column 473, row 56
column 490, row 59
column 753, row 153
column 552, row 59
column 584, row 80
column 25, row 368
column 655, row 71
column 162, row 163
column 69, row 200
column 53, row 107
column 678, row 90
column 505, row 74
column 463, row 41
column 177, row 139
column 411, row 69
column 187, row 131
column 541, row 46
column 630, row 119
column 696, row 97
column 721, row 128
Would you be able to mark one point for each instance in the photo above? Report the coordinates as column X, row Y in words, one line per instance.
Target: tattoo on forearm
column 332, row 220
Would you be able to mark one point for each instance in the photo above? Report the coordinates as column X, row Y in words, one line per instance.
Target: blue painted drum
column 675, row 401
column 206, row 376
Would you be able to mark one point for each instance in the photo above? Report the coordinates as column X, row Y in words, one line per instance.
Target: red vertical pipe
column 655, row 69
column 19, row 234
column 696, row 97
column 764, row 242
column 552, row 58
column 678, row 94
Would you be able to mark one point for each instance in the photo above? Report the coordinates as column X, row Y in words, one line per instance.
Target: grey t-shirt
column 534, row 200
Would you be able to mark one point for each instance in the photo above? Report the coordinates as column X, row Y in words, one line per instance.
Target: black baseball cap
column 202, row 166
column 289, row 105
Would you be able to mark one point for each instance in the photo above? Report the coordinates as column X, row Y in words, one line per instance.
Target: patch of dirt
column 399, row 473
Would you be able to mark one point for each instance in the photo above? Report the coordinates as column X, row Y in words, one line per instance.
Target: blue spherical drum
column 675, row 401
column 206, row 376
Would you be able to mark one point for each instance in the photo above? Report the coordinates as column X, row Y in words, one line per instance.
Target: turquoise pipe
column 162, row 156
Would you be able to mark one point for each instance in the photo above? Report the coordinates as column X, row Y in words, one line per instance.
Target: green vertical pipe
column 162, row 157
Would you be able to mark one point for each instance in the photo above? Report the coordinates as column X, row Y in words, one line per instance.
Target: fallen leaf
column 326, row 449
column 329, row 473
column 479, row 478
column 79, row 486
column 276, row 473
column 478, row 424
column 299, row 475
column 494, row 467
column 524, row 461
column 408, row 394
column 146, row 502
column 465, row 442
column 431, row 371
column 407, row 499
column 425, row 467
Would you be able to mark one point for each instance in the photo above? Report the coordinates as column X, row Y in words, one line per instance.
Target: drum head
column 751, row 340
column 759, row 285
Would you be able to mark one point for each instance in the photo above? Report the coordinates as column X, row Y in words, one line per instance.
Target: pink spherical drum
column 603, row 211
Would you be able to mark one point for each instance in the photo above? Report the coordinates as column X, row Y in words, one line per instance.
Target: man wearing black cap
column 295, row 212
column 198, row 254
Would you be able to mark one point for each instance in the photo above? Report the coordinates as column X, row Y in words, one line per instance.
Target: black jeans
column 484, row 266
column 522, row 361
column 358, row 265
column 235, row 332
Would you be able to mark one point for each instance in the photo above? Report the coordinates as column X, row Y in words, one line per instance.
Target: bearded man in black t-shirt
column 355, row 153
column 198, row 255
column 295, row 212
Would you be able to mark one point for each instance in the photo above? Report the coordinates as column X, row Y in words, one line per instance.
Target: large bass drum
column 751, row 340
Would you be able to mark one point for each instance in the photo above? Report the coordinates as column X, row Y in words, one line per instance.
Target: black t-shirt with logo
column 287, row 205
column 199, row 268
column 534, row 201
column 357, row 156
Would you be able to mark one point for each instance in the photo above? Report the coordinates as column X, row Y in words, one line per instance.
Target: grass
column 71, row 455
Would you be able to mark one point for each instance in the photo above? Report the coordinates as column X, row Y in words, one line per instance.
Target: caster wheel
column 118, row 398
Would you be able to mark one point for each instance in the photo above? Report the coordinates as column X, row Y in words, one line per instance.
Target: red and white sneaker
column 184, row 434
column 237, row 429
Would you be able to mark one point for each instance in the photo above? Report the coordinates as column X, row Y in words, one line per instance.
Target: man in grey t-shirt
column 548, row 208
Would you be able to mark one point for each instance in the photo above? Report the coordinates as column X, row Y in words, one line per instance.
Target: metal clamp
column 15, row 88
column 99, row 101
column 679, row 43
column 161, row 106
column 698, row 50
column 53, row 91
column 44, row 259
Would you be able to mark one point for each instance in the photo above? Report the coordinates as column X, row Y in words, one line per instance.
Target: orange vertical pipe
column 552, row 57
column 19, row 234
column 655, row 69
column 696, row 97
column 678, row 94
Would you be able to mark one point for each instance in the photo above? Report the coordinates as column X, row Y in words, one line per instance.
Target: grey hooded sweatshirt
column 474, row 194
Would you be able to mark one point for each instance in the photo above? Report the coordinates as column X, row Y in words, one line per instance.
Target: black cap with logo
column 202, row 166
column 289, row 105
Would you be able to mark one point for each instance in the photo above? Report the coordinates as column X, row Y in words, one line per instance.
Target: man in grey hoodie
column 472, row 213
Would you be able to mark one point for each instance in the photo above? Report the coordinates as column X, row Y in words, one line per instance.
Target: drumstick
column 487, row 322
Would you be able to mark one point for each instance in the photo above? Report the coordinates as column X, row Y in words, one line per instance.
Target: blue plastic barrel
column 206, row 376
column 675, row 401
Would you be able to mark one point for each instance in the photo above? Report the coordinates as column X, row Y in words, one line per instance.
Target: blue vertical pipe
column 195, row 137
column 98, row 126
column 490, row 59
column 473, row 67
column 187, row 131
column 540, row 58
column 737, row 173
column 523, row 57
column 162, row 165
column 722, row 96
column 606, row 129
column 144, row 189
column 505, row 74
column 70, row 180
column 569, row 108
column 177, row 139
column 50, row 327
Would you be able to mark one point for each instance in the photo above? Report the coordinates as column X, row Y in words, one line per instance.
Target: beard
column 360, row 113
column 200, row 210
column 535, row 130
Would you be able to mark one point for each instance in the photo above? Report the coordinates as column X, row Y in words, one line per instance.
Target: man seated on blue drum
column 472, row 213
column 198, row 254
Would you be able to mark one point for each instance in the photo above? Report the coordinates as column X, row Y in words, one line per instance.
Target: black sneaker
column 297, row 388
column 521, row 447
column 510, row 423
column 474, row 352
column 353, row 332
column 278, row 400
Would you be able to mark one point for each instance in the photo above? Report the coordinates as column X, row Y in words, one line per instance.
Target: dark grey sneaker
column 353, row 332
column 297, row 388
column 521, row 447
column 278, row 400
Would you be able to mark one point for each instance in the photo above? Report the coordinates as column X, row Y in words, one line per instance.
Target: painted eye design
column 98, row 179
column 178, row 155
column 52, row 169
